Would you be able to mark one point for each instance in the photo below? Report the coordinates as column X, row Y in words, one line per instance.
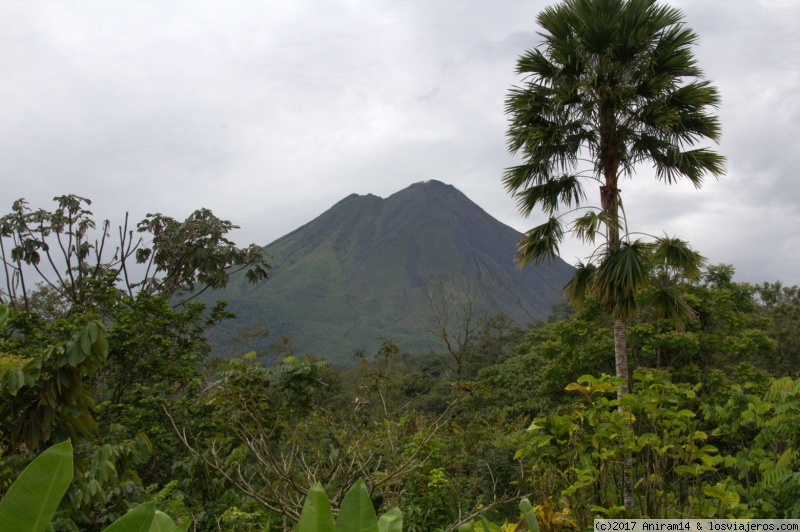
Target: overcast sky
column 270, row 112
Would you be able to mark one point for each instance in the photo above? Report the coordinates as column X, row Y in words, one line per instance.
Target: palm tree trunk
column 609, row 201
column 621, row 359
column 621, row 356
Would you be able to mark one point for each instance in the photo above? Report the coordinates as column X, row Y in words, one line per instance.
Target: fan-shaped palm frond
column 664, row 296
column 540, row 243
column 621, row 275
column 587, row 226
column 581, row 284
column 678, row 258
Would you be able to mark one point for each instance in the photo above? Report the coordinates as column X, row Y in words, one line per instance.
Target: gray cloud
column 270, row 112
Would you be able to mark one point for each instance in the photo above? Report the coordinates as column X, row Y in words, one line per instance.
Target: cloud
column 270, row 112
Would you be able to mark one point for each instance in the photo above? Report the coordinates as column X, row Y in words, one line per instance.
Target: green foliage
column 89, row 332
column 43, row 394
column 710, row 428
column 356, row 513
column 269, row 430
column 781, row 305
column 176, row 255
column 529, row 521
column 687, row 457
column 31, row 501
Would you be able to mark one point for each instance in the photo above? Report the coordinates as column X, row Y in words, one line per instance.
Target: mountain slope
column 357, row 272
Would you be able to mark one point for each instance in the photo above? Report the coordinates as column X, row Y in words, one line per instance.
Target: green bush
column 32, row 500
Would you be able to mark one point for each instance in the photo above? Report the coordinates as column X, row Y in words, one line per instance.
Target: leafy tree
column 494, row 343
column 70, row 254
column 31, row 502
column 44, row 397
column 781, row 304
column 98, row 318
column 613, row 85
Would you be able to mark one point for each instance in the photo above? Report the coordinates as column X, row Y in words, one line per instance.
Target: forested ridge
column 367, row 267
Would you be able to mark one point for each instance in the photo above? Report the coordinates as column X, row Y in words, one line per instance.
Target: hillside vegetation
column 710, row 428
column 363, row 269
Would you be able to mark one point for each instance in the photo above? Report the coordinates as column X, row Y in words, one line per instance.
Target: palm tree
column 613, row 85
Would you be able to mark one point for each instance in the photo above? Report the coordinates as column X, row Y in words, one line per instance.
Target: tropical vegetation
column 614, row 85
column 156, row 421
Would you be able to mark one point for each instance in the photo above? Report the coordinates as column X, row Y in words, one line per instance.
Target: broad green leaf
column 163, row 523
column 489, row 527
column 469, row 526
column 391, row 521
column 317, row 515
column 5, row 312
column 137, row 520
column 356, row 513
column 31, row 501
column 530, row 517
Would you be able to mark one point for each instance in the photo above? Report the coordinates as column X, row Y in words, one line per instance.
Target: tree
column 70, row 255
column 100, row 330
column 613, row 85
column 458, row 306
column 272, row 432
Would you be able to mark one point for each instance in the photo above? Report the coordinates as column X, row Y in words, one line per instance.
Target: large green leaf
column 5, row 312
column 137, row 520
column 356, row 513
column 317, row 515
column 391, row 521
column 469, row 526
column 164, row 523
column 32, row 499
column 530, row 517
column 486, row 526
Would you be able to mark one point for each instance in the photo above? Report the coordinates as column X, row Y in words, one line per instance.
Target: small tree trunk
column 621, row 356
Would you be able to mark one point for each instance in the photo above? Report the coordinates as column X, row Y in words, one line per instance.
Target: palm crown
column 613, row 84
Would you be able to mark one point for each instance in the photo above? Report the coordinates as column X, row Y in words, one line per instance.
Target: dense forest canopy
column 503, row 413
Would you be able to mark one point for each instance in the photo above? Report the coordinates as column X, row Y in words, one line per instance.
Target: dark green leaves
column 588, row 226
column 619, row 277
column 540, row 243
column 549, row 195
column 196, row 250
column 610, row 87
column 356, row 513
column 639, row 273
column 73, row 257
column 677, row 258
